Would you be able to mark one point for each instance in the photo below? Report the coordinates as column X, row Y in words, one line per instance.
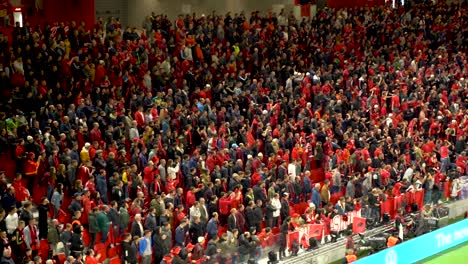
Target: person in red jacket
column 148, row 174
column 140, row 117
column 30, row 167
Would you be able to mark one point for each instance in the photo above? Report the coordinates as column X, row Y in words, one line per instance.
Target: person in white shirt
column 11, row 221
column 275, row 201
column 173, row 170
column 409, row 173
column 195, row 210
column 292, row 170
column 133, row 132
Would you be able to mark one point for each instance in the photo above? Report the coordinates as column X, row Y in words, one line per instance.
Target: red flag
column 305, row 241
column 359, row 225
column 446, row 189
column 419, row 198
column 315, row 230
column 293, row 237
column 385, row 207
column 398, row 202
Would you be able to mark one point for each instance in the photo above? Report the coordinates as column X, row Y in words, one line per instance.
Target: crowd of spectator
column 162, row 136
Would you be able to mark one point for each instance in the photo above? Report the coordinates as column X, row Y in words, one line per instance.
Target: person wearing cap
column 75, row 205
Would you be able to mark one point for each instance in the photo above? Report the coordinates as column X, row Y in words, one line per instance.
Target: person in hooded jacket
column 76, row 241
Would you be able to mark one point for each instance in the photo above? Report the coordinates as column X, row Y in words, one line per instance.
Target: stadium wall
column 138, row 9
column 69, row 10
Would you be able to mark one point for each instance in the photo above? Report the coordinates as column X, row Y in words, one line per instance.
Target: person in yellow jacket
column 350, row 256
column 84, row 154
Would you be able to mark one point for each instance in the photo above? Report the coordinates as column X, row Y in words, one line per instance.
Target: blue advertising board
column 422, row 247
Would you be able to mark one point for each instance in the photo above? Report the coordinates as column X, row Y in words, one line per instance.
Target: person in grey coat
column 350, row 190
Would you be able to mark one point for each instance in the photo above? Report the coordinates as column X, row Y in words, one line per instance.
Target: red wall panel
column 69, row 10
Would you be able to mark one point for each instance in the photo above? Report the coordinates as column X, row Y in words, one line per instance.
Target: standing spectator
column 129, row 250
column 137, row 227
column 57, row 198
column 316, row 197
column 4, row 242
column 277, row 205
column 76, row 205
column 124, row 218
column 232, row 221
column 145, row 247
column 103, row 223
column 11, row 221
column 18, row 244
column 43, row 209
column 31, row 236
column 283, row 237
column 196, row 229
column 159, row 248
column 113, row 216
column 258, row 215
column 150, row 221
column 26, row 213
column 212, row 226
column 93, row 227
column 76, row 242
column 180, row 233
column 65, row 237
column 53, row 235
column 325, row 193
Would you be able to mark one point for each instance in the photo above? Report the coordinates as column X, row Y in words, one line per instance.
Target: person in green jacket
column 124, row 218
column 103, row 223
column 93, row 226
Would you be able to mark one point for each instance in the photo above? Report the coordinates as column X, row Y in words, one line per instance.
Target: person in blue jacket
column 146, row 247
column 316, row 198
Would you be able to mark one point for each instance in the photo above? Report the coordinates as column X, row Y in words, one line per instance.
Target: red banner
column 359, row 225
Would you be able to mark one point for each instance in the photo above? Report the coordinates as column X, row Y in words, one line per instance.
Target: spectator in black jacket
column 76, row 241
column 232, row 221
column 137, row 226
column 283, row 237
column 269, row 213
column 245, row 247
column 284, row 212
column 26, row 214
column 258, row 216
column 259, row 192
column 129, row 250
column 159, row 247
column 196, row 230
